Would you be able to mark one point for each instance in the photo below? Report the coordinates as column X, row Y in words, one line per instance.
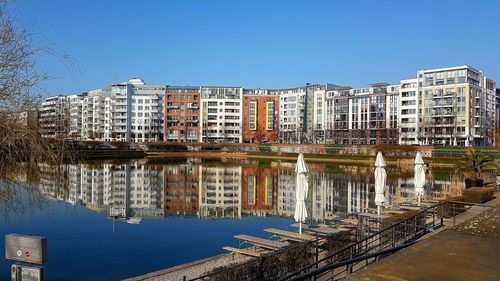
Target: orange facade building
column 260, row 116
column 182, row 113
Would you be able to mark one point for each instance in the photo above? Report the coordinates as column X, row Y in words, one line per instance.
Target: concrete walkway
column 468, row 251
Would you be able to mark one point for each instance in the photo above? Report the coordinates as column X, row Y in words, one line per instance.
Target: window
column 253, row 116
column 269, row 116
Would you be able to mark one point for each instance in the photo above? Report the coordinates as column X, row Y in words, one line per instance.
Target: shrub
column 271, row 266
column 337, row 241
column 478, row 194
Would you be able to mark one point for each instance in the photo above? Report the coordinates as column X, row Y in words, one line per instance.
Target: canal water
column 109, row 220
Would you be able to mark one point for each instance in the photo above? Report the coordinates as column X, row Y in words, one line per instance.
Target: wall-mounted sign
column 26, row 273
column 32, row 249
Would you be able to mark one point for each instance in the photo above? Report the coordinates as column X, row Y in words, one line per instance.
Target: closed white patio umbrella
column 419, row 177
column 301, row 189
column 380, row 177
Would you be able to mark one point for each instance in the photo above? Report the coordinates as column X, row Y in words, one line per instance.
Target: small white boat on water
column 135, row 220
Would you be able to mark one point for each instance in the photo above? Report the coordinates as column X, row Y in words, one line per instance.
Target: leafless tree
column 20, row 134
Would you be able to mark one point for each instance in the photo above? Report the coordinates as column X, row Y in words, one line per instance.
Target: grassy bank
column 363, row 160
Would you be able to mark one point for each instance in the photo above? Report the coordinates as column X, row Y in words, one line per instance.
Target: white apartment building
column 457, row 107
column 129, row 111
column 221, row 114
column 76, row 130
column 291, row 114
column 409, row 112
column 301, row 113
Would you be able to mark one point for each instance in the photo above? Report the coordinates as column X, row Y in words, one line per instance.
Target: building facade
column 444, row 106
column 260, row 116
column 182, row 114
column 409, row 112
column 76, row 116
column 363, row 115
column 129, row 111
column 221, row 114
column 54, row 117
column 457, row 107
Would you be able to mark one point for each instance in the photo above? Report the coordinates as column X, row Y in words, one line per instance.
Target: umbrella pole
column 378, row 210
column 300, row 227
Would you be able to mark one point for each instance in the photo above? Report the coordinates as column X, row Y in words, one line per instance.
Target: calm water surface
column 190, row 209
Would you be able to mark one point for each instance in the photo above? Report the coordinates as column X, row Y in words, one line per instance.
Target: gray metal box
column 31, row 249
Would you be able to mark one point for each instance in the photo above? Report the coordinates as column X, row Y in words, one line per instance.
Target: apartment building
column 457, row 107
column 76, row 116
column 409, row 112
column 54, row 117
column 260, row 116
column 221, row 114
column 129, row 111
column 182, row 114
column 362, row 115
column 301, row 114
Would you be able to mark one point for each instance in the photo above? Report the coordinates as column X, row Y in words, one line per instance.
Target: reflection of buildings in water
column 123, row 190
column 406, row 189
column 259, row 191
column 220, row 191
column 223, row 190
column 181, row 188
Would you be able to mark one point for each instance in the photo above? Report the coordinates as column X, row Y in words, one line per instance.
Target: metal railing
column 324, row 265
column 392, row 236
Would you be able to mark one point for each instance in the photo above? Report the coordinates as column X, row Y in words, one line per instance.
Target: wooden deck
column 246, row 251
column 288, row 235
column 260, row 242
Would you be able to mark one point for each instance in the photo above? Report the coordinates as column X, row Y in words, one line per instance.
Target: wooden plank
column 321, row 230
column 260, row 242
column 288, row 234
column 397, row 212
column 411, row 208
column 373, row 216
column 349, row 221
column 242, row 251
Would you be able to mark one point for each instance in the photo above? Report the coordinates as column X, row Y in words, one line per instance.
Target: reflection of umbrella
column 380, row 177
column 301, row 189
column 419, row 177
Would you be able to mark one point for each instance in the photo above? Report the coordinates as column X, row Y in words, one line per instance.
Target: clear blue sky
column 261, row 43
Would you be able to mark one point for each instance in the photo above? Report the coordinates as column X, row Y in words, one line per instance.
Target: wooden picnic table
column 372, row 216
column 396, row 212
column 261, row 242
column 288, row 235
column 411, row 208
column 247, row 251
column 321, row 230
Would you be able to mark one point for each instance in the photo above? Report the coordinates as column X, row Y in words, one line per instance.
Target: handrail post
column 392, row 236
column 317, row 251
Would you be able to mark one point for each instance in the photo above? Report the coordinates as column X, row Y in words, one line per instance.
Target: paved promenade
column 467, row 252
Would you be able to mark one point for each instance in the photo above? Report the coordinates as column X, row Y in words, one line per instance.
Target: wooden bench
column 321, row 230
column 372, row 216
column 260, row 242
column 246, row 252
column 288, row 235
column 395, row 212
